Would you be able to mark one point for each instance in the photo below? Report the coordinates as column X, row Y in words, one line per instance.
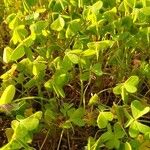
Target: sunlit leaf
column 130, row 88
column 138, row 110
column 18, row 52
column 58, row 24
column 93, row 100
column 8, row 95
column 73, row 58
column 124, row 94
column 145, row 11
column 133, row 80
column 127, row 146
column 88, row 52
column 38, row 68
column 97, row 6
column 19, row 34
column 58, row 90
column 14, row 21
column 38, row 27
column 7, row 54
column 117, row 89
column 143, row 128
column 104, row 118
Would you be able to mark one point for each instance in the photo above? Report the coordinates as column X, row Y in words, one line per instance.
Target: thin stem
column 84, row 92
column 40, row 2
column 103, row 91
column 144, row 121
column 82, row 86
column 68, row 140
column 44, row 140
column 82, row 100
column 61, row 135
column 40, row 94
column 30, row 97
column 26, row 146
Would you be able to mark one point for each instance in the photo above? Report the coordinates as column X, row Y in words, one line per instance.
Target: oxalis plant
column 93, row 47
column 127, row 122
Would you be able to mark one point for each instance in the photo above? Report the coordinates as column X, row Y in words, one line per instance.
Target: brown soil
column 4, row 123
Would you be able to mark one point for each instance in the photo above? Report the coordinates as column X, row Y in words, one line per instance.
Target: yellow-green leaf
column 58, row 24
column 8, row 95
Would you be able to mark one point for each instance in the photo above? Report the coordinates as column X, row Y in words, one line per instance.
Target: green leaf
column 137, row 127
column 145, row 11
column 14, row 21
column 85, row 76
column 129, row 122
column 9, row 73
column 19, row 34
column 60, row 78
column 112, row 139
column 10, row 17
column 76, row 117
column 66, row 109
column 113, row 143
column 127, row 146
column 143, row 128
column 25, row 66
column 118, row 130
column 133, row 80
column 73, row 58
column 88, row 52
column 38, row 68
column 133, row 129
column 30, row 83
column 106, row 136
column 138, row 110
column 97, row 69
column 66, row 125
column 100, row 46
column 93, row 100
column 67, row 64
column 130, row 88
column 8, row 95
column 30, row 123
column 74, row 51
column 7, row 54
column 91, row 142
column 27, row 42
column 18, row 52
column 130, row 3
column 26, row 5
column 97, row 6
column 58, row 24
column 73, row 27
column 38, row 27
column 58, row 90
column 117, row 90
column 48, row 84
column 103, row 119
column 124, row 94
column 22, row 134
column 29, row 53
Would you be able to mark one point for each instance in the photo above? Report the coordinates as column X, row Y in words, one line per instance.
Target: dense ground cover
column 75, row 74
